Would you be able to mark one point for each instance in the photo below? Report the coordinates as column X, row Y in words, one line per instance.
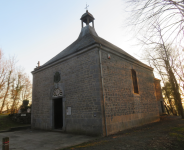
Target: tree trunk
column 166, row 108
column 6, row 94
column 177, row 96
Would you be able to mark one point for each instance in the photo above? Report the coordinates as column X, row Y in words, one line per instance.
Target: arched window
column 134, row 78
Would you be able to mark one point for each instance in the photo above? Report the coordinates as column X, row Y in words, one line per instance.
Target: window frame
column 134, row 82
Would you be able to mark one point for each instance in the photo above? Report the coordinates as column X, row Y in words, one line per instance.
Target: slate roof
column 87, row 13
column 87, row 37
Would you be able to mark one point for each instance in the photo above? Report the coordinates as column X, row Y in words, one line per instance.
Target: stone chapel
column 94, row 87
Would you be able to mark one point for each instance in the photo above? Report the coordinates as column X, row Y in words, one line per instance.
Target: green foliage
column 168, row 95
column 25, row 103
column 24, row 106
column 167, row 90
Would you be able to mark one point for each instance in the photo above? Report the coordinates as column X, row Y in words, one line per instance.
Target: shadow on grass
column 86, row 144
column 178, row 134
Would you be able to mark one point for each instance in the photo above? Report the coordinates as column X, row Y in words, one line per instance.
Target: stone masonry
column 125, row 109
column 159, row 96
column 80, row 81
column 95, row 83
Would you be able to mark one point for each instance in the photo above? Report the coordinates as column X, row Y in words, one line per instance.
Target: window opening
column 134, row 78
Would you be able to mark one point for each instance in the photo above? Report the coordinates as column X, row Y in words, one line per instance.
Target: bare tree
column 15, row 84
column 161, row 56
column 3, row 72
column 6, row 92
column 178, row 67
column 7, row 69
column 16, row 91
column 170, row 13
column 157, row 22
column 169, row 98
column 21, row 89
column 26, row 92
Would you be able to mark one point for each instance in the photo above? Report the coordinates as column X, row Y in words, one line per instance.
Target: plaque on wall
column 68, row 111
column 57, row 77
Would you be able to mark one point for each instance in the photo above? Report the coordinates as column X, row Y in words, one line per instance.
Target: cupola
column 87, row 18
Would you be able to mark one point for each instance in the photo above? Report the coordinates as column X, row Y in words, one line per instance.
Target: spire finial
column 86, row 7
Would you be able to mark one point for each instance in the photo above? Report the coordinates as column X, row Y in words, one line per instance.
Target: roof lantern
column 87, row 18
column 87, row 38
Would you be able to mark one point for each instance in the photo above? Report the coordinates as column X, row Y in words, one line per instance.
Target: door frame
column 60, row 100
column 63, row 103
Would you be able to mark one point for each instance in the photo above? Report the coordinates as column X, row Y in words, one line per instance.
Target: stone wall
column 123, row 108
column 24, row 118
column 80, row 82
column 159, row 96
column 158, row 89
column 81, row 86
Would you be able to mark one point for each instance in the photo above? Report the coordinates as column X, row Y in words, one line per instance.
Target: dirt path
column 168, row 134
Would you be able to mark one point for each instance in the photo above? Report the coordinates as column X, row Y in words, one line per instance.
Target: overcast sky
column 37, row 30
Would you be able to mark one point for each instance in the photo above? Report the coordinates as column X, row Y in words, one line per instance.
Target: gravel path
column 168, row 134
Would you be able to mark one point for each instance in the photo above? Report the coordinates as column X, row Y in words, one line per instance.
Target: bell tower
column 87, row 18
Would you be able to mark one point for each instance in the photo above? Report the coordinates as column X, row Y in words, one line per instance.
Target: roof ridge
column 87, row 37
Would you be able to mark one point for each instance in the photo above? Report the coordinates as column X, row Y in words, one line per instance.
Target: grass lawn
column 6, row 123
column 168, row 134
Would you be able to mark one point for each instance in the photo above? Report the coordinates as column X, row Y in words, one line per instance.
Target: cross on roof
column 38, row 63
column 86, row 7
